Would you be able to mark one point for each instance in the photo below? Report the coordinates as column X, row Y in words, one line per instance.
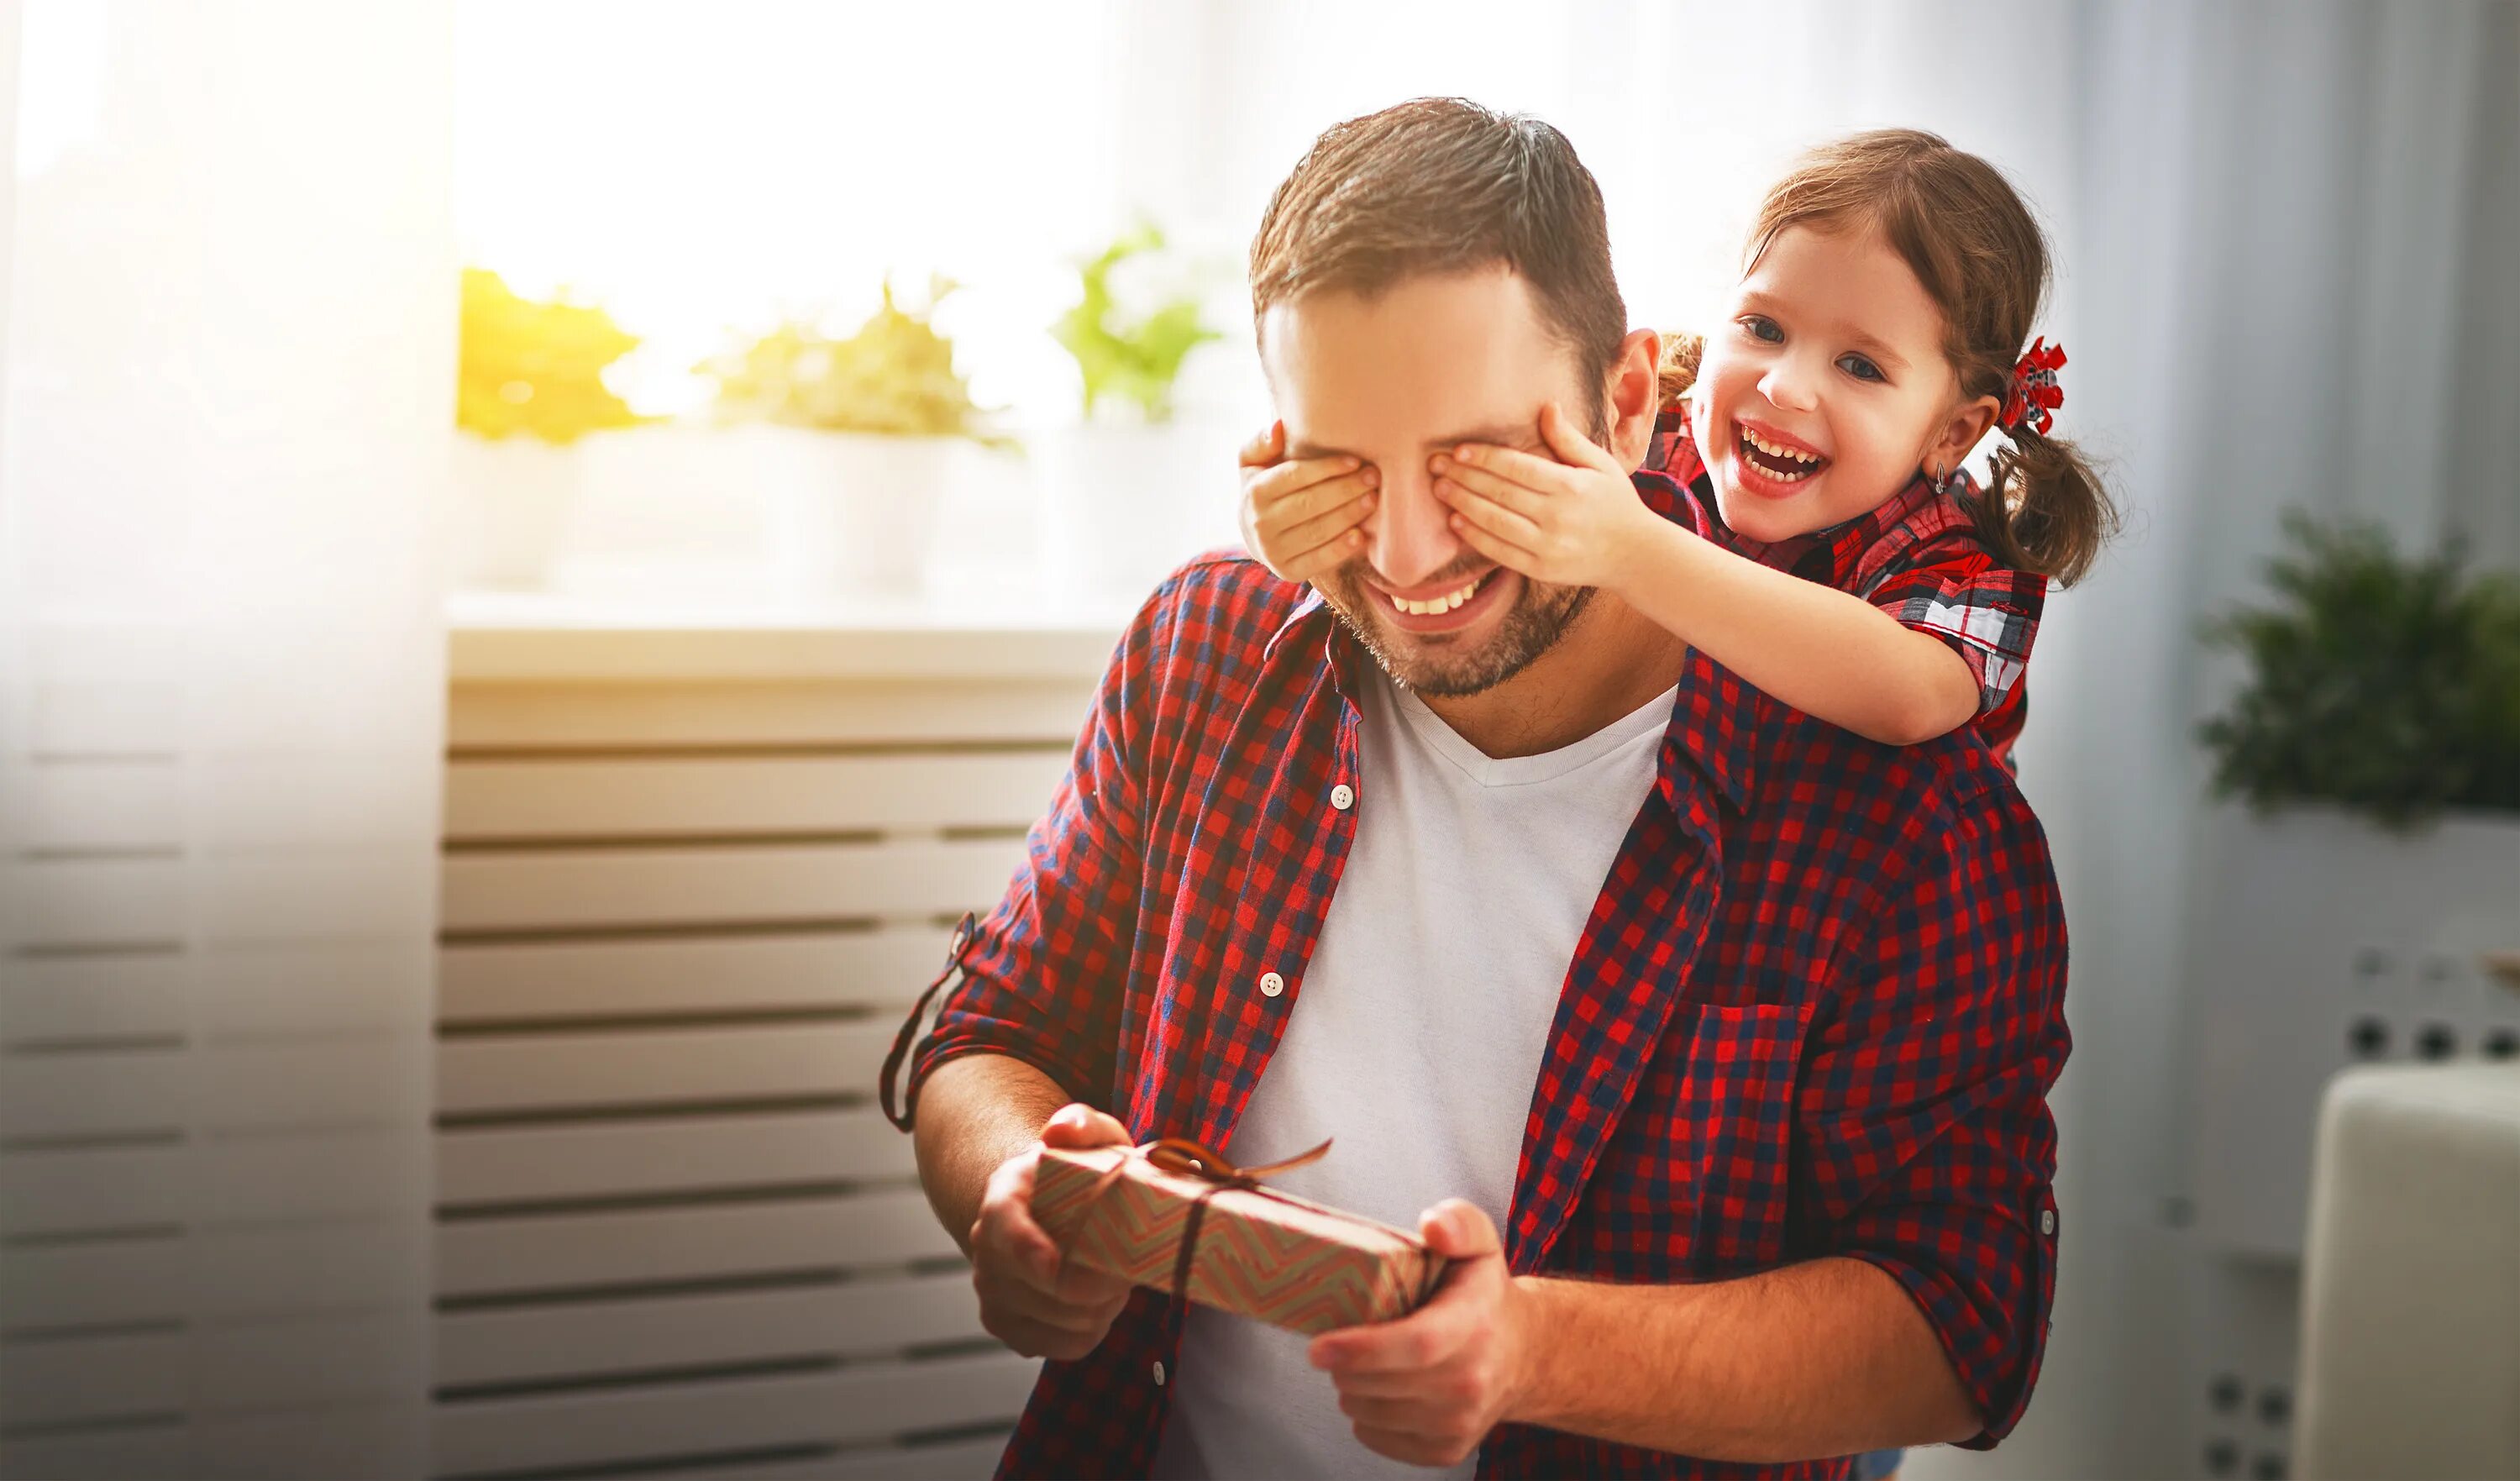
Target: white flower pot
column 2325, row 941
column 513, row 499
column 1124, row 504
column 848, row 513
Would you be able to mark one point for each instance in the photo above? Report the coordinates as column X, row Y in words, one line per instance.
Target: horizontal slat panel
column 56, row 1382
column 655, row 1067
column 97, row 902
column 155, row 1449
column 665, row 1155
column 851, row 1318
column 492, row 642
column 867, row 1403
column 479, row 1257
column 576, row 798
column 266, row 1179
column 205, row 1370
column 219, row 802
column 278, row 896
column 320, row 1444
column 225, row 992
column 210, row 1087
column 631, row 716
column 102, row 805
column 113, row 997
column 562, row 889
column 214, row 1273
column 545, row 980
column 959, row 1460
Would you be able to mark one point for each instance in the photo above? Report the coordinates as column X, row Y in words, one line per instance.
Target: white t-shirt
column 1415, row 1037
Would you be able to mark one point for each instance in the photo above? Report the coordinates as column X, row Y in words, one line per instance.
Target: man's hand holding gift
column 1428, row 1387
column 1032, row 1298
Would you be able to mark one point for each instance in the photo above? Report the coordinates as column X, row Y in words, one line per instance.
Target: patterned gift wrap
column 1287, row 1261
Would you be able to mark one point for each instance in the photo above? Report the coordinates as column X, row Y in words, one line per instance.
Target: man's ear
column 1632, row 396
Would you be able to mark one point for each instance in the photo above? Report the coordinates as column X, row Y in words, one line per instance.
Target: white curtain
column 2295, row 225
column 229, row 371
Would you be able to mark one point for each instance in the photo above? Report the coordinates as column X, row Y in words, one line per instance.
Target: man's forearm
column 976, row 1112
column 1825, row 1358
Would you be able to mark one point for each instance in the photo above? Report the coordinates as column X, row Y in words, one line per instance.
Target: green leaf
column 535, row 367
column 1135, row 361
column 2389, row 685
column 894, row 376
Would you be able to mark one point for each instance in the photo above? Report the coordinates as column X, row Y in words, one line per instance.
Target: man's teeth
column 1442, row 604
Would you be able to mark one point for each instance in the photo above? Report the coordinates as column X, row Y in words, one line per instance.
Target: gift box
column 1256, row 1251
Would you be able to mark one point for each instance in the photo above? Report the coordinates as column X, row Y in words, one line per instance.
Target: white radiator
column 681, row 923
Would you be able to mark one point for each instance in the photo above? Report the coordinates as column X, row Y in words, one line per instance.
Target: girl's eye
column 1860, row 368
column 1763, row 329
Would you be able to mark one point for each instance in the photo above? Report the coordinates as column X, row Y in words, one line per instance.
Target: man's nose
column 1408, row 538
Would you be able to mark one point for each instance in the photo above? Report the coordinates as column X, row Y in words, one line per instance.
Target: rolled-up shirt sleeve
column 1928, row 1147
column 1986, row 612
column 1046, row 969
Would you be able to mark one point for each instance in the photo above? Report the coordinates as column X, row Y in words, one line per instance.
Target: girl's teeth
column 1772, row 450
column 1801, row 464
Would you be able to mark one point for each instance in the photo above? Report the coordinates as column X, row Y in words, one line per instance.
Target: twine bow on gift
column 1180, row 1154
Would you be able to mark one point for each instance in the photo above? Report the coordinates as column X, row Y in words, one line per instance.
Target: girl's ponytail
column 1678, row 371
column 2045, row 510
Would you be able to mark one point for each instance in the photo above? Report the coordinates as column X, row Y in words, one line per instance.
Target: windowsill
column 686, row 622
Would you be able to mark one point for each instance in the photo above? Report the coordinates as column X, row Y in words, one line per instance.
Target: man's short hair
column 1440, row 185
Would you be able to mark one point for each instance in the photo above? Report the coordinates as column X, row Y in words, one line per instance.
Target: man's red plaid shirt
column 1817, row 1009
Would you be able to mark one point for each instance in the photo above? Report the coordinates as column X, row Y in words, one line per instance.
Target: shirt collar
column 1830, row 555
column 1716, row 723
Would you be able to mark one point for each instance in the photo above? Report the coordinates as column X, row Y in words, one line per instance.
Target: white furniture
column 2410, row 1285
column 696, row 866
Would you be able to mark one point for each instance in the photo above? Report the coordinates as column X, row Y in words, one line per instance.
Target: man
column 1717, row 1038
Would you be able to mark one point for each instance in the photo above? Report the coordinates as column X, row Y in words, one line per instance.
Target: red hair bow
column 2034, row 395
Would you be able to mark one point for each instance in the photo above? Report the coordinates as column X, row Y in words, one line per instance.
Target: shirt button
column 1342, row 796
column 1271, row 984
column 2046, row 1221
column 1159, row 1372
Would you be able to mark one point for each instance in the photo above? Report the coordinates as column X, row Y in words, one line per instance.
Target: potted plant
column 2367, row 902
column 529, row 385
column 855, row 437
column 1133, row 488
column 2384, row 685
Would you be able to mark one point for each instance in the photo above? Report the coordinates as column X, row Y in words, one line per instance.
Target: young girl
column 1857, row 572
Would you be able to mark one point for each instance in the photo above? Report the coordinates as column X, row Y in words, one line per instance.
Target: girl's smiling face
column 1825, row 388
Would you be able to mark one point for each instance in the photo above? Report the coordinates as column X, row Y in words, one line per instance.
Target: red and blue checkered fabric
column 1918, row 557
column 1817, row 1009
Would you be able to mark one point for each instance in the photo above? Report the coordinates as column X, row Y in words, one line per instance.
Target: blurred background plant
column 536, row 366
column 894, row 376
column 1132, row 351
column 2387, row 683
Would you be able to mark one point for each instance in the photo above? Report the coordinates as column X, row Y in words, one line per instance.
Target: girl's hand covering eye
column 1301, row 517
column 1572, row 522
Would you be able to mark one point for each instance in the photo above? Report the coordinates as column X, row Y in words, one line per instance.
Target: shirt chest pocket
column 1727, row 1145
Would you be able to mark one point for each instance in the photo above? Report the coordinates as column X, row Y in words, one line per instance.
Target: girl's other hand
column 1300, row 518
column 1573, row 522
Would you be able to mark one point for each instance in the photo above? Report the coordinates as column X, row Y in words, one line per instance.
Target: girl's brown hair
column 1960, row 228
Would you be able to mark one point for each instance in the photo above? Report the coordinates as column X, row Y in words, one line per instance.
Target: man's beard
column 1538, row 617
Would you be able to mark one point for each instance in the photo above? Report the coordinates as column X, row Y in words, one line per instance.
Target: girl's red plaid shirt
column 1918, row 557
column 1817, row 1009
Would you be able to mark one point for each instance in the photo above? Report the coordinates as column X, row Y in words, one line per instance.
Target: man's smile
column 1445, row 609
